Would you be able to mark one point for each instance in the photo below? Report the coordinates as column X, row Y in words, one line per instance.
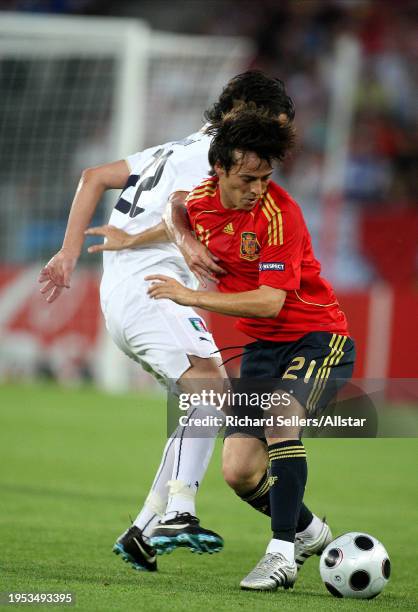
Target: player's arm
column 264, row 302
column 199, row 259
column 117, row 239
column 280, row 269
column 93, row 183
column 174, row 227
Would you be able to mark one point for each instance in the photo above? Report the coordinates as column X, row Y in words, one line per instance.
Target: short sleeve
column 282, row 248
column 190, row 173
column 133, row 160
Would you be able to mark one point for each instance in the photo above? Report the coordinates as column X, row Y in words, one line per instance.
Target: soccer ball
column 355, row 565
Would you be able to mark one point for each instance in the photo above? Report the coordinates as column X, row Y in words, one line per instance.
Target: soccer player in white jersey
column 168, row 340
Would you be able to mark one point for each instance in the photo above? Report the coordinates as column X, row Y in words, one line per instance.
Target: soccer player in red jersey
column 273, row 284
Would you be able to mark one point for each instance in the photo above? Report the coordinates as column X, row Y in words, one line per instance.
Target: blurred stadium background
column 85, row 82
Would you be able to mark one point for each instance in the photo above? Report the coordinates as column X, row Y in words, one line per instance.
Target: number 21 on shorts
column 297, row 364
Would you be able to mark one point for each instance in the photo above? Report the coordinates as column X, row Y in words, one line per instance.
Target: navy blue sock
column 288, row 475
column 305, row 518
column 259, row 499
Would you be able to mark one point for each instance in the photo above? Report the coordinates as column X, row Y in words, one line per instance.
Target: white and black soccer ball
column 355, row 565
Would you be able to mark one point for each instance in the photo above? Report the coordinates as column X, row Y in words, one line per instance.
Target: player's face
column 246, row 181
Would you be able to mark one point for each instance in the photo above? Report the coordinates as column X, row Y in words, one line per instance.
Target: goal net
column 78, row 92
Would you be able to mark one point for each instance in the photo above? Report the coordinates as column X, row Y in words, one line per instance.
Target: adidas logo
column 228, row 229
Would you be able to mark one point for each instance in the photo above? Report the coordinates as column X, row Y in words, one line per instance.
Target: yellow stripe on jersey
column 273, row 222
column 202, row 234
column 265, row 210
column 201, row 188
column 209, row 184
column 205, row 184
column 198, row 194
column 273, row 215
column 278, row 216
column 268, row 217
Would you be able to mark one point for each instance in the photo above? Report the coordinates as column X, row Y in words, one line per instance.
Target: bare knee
column 204, row 373
column 240, row 478
column 200, row 367
column 244, row 463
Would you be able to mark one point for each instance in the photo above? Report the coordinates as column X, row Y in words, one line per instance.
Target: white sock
column 181, row 498
column 287, row 549
column 155, row 504
column 192, row 454
column 313, row 529
column 152, row 511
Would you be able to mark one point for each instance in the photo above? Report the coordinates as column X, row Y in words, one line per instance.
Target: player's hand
column 117, row 239
column 168, row 288
column 200, row 261
column 57, row 274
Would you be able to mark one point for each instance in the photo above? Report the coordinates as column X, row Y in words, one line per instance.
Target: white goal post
column 344, row 75
column 80, row 91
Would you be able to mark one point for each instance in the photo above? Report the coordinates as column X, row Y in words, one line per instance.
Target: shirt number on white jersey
column 148, row 183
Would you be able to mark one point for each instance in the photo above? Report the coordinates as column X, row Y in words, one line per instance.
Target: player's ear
column 283, row 119
column 219, row 170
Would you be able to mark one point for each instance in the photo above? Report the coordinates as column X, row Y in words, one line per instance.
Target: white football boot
column 305, row 547
column 273, row 571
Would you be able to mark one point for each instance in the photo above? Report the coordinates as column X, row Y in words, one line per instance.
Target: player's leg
column 133, row 545
column 288, row 466
column 245, row 463
column 161, row 335
column 245, row 467
column 328, row 366
column 156, row 501
column 193, row 448
column 245, row 470
column 284, row 486
column 286, row 481
column 178, row 477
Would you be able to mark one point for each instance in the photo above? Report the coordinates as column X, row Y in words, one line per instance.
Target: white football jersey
column 156, row 173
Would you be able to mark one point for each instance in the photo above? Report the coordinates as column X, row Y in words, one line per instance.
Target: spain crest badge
column 249, row 246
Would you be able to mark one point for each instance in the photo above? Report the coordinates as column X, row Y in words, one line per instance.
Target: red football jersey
column 268, row 246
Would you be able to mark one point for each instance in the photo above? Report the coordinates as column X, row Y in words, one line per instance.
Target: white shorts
column 158, row 334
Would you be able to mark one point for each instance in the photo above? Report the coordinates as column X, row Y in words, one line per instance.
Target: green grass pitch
column 76, row 463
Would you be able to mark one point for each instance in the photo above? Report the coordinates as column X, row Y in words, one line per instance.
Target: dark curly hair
column 247, row 129
column 252, row 86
